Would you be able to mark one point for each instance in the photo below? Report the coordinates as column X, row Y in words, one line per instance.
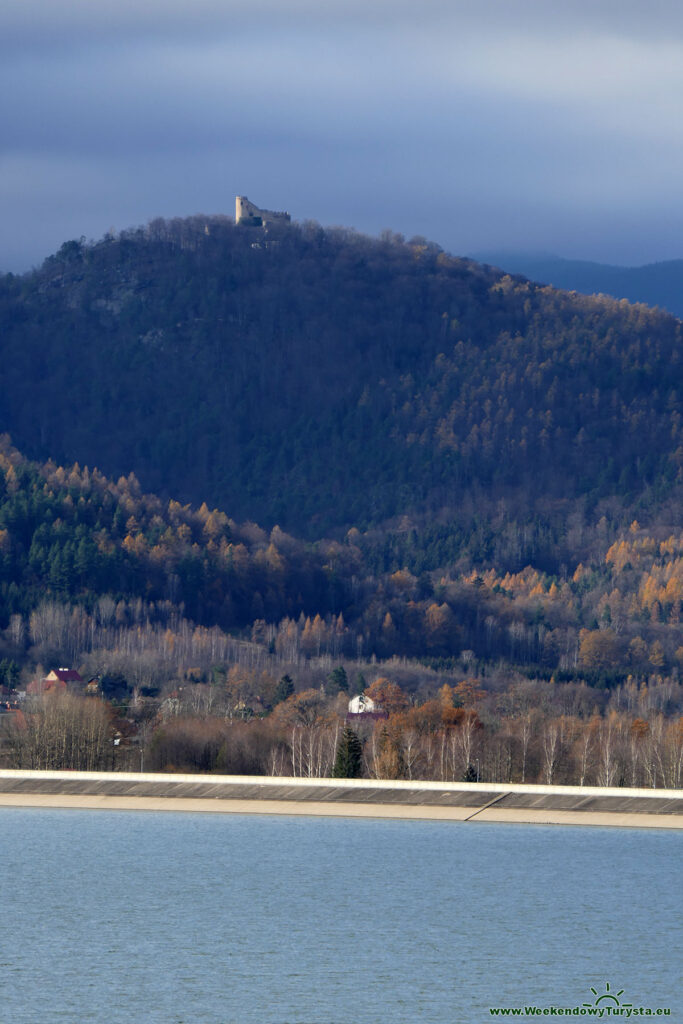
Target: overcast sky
column 481, row 124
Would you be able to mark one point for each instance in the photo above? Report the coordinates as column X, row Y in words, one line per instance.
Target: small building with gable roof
column 57, row 681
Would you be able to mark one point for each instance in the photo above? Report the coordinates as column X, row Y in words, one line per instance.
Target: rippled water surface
column 162, row 918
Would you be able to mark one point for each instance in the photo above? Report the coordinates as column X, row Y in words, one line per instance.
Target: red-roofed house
column 56, row 681
column 63, row 675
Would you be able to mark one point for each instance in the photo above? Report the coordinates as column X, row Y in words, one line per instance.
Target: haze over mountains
column 655, row 284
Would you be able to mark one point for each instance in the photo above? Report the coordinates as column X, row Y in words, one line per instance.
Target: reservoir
column 120, row 916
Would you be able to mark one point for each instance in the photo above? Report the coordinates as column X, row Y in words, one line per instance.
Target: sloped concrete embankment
column 641, row 808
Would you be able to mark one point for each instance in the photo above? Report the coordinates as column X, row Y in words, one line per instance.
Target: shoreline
column 353, row 798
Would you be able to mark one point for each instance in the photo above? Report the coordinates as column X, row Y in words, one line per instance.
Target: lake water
column 162, row 918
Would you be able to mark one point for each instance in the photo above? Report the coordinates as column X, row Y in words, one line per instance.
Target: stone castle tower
column 252, row 216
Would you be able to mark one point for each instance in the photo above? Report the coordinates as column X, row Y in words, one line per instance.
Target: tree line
column 461, row 734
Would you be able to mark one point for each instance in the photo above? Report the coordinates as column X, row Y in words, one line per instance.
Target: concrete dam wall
column 643, row 808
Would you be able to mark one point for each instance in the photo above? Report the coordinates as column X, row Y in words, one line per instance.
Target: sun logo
column 608, row 994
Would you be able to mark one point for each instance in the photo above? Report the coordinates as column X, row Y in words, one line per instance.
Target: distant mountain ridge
column 319, row 379
column 656, row 284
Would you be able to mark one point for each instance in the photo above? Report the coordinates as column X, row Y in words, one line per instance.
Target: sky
column 480, row 124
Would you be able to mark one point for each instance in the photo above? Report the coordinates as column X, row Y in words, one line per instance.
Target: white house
column 361, row 705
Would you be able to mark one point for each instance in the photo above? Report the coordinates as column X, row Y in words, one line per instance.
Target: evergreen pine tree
column 360, row 684
column 349, row 759
column 283, row 690
column 338, row 680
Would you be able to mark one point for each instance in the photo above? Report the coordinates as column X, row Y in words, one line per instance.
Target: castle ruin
column 251, row 216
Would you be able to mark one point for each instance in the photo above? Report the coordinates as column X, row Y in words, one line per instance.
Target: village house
column 363, row 709
column 59, row 680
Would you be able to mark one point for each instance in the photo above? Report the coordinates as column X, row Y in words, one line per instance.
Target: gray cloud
column 541, row 125
column 70, row 23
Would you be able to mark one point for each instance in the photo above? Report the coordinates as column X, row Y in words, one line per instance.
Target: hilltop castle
column 250, row 215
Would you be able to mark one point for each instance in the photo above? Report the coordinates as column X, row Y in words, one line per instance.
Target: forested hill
column 318, row 378
column 92, row 571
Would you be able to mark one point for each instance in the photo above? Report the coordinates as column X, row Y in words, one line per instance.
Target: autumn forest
column 333, row 466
